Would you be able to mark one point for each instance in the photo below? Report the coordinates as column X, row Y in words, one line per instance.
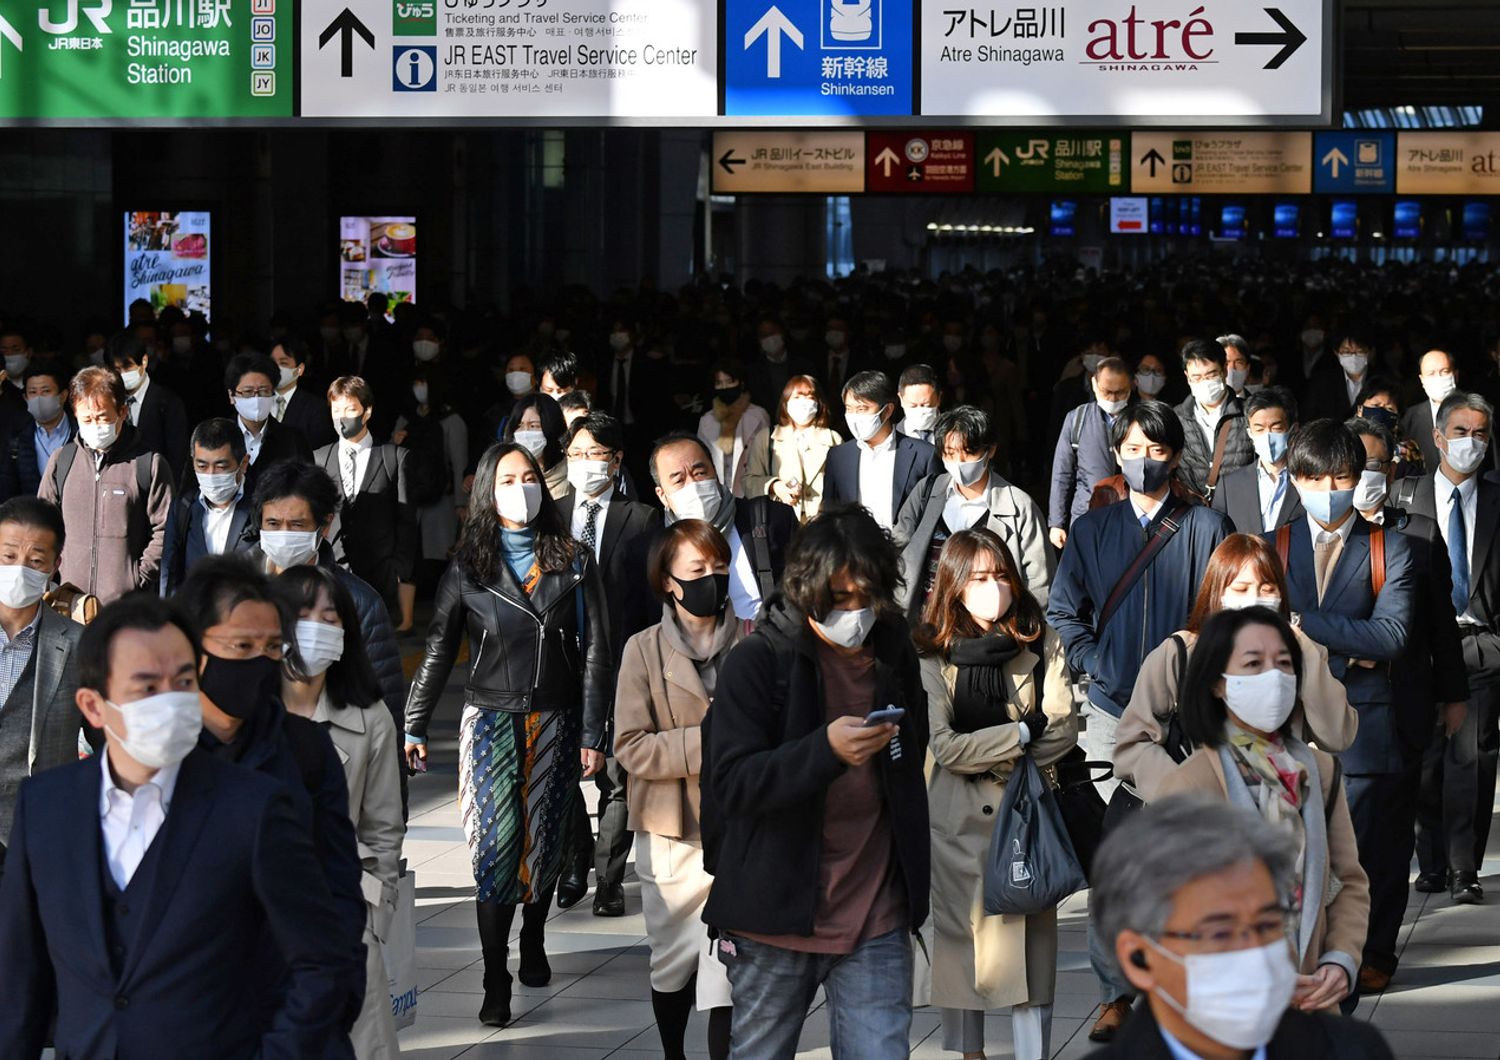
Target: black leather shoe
column 1431, row 882
column 573, row 884
column 1466, row 889
column 610, row 901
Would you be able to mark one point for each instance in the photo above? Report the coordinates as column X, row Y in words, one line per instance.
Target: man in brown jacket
column 114, row 494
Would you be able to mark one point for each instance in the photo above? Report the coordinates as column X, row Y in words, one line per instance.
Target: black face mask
column 349, row 426
column 704, row 597
column 240, row 687
column 729, row 394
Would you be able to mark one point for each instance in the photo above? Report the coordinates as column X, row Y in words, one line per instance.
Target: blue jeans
column 868, row 991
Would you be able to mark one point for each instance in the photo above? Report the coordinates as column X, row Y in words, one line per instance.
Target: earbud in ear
column 1138, row 958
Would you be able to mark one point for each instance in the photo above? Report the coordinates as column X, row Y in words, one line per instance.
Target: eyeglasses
column 264, row 391
column 591, row 454
column 233, row 647
column 1222, row 938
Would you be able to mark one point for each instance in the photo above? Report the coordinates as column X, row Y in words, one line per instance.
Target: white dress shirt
column 130, row 822
column 361, row 450
column 252, row 440
column 1208, row 419
column 744, row 590
column 1468, row 494
column 1182, row 1052
column 580, row 516
column 216, row 522
column 1316, row 529
column 960, row 513
column 1352, row 386
column 133, row 402
column 877, row 480
column 1270, row 503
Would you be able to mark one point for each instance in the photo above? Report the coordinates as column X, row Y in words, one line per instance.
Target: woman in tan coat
column 667, row 680
column 1244, row 571
column 986, row 651
column 787, row 463
column 1239, row 695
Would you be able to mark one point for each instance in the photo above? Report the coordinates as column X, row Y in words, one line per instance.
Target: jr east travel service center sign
column 704, row 63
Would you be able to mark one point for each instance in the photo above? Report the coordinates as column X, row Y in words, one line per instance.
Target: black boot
column 573, row 884
column 535, row 970
column 494, row 941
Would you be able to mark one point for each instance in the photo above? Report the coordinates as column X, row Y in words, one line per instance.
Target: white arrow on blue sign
column 1354, row 162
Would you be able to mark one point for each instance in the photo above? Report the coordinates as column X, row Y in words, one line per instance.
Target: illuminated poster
column 378, row 254
column 166, row 260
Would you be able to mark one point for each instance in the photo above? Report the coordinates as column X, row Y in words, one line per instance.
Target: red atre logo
column 1155, row 44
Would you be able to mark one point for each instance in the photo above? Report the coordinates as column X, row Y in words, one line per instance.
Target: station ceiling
column 1400, row 52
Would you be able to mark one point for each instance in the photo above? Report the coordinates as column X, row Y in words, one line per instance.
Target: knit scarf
column 729, row 419
column 1277, row 782
column 980, row 697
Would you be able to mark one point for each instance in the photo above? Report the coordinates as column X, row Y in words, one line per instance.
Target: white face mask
column 1312, row 338
column 847, row 629
column 519, row 501
column 835, row 339
column 289, row 548
column 1263, row 701
column 518, row 382
column 895, row 351
column 1354, row 364
column 696, row 500
column 1112, row 408
column 253, row 409
column 218, row 488
column 98, row 435
column 1236, row 377
column 953, row 343
column 133, row 379
column 864, row 425
column 22, row 586
column 44, row 408
column 1150, row 383
column 965, row 472
column 801, row 410
column 16, row 365
column 320, row 645
column 534, row 441
column 1235, row 998
column 1208, row 392
column 419, row 393
column 1239, row 602
column 182, row 343
column 987, row 601
column 589, row 476
column 285, row 376
column 1371, row 491
column 1466, row 454
column 920, row 418
column 772, row 345
column 1437, row 387
column 424, row 349
column 619, row 341
column 162, row 728
column 1091, row 362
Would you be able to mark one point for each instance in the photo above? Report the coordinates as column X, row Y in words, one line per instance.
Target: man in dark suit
column 607, row 524
column 251, row 381
column 1260, row 497
column 1331, row 394
column 1182, row 869
column 1438, row 375
column 375, row 532
column 1429, row 675
column 1458, row 773
column 158, row 415
column 767, row 371
column 633, row 388
column 840, row 362
column 217, row 517
column 47, row 427
column 300, row 403
column 879, row 466
column 138, row 881
column 38, row 722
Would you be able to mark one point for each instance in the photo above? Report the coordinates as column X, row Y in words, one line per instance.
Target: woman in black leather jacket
column 534, row 715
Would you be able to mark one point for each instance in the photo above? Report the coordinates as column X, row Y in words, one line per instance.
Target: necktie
column 134, row 409
column 1145, row 521
column 351, row 466
column 1322, row 556
column 590, row 526
column 1276, row 497
column 1458, row 552
column 280, row 407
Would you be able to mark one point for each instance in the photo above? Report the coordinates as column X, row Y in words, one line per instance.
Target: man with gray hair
column 1458, row 770
column 1236, row 363
column 1193, row 894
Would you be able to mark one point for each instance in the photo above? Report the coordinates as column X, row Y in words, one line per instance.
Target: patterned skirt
column 518, row 777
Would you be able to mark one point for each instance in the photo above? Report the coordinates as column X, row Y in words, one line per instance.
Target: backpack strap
column 142, row 475
column 1377, row 560
column 1078, row 415
column 1284, row 546
column 760, row 547
column 1181, row 660
column 1405, row 492
column 1221, row 440
column 1333, row 792
column 65, row 458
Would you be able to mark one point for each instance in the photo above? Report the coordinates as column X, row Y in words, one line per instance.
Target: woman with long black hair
column 534, row 715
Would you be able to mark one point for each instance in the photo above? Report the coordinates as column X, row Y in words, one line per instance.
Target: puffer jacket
column 1198, row 454
column 525, row 652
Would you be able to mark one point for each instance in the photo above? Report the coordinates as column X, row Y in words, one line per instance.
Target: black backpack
column 427, row 475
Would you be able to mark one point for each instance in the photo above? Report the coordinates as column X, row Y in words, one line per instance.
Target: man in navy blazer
column 1259, row 496
column 858, row 470
column 138, row 880
column 219, row 515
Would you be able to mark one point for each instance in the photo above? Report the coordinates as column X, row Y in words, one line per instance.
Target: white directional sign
column 1448, row 163
column 572, row 59
column 1230, row 162
column 828, row 163
column 1138, row 61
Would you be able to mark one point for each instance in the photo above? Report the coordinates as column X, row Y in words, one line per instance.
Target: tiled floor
column 1445, row 1001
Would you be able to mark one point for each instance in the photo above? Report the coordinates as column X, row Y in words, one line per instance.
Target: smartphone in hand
column 881, row 717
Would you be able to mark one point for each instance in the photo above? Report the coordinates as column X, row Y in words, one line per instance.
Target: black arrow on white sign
column 346, row 26
column 1153, row 158
column 728, row 161
column 1290, row 38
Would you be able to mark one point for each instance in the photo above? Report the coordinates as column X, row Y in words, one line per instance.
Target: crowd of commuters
column 797, row 579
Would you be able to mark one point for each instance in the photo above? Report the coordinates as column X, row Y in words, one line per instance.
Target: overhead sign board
column 1048, row 162
column 443, row 59
column 827, row 58
column 919, row 162
column 1448, row 163
column 1136, row 61
column 1226, row 163
column 167, row 260
column 1354, row 162
column 146, row 59
column 1129, row 215
column 824, row 162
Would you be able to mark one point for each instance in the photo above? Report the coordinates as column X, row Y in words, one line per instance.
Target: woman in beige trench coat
column 985, row 648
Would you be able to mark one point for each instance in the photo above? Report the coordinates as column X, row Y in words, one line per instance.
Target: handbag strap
column 1221, row 441
column 1165, row 528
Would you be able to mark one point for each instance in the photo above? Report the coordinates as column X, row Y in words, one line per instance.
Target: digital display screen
column 1129, row 215
column 378, row 254
column 1344, row 220
column 1064, row 217
column 1232, row 222
column 1476, row 222
column 1286, row 220
column 166, row 260
column 1158, row 213
column 1407, row 222
column 1192, row 217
